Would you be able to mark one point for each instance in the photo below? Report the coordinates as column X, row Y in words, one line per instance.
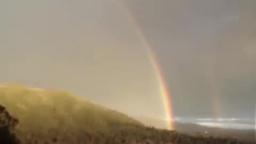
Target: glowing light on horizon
column 227, row 125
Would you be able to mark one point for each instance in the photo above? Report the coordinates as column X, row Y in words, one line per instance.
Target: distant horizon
column 226, row 123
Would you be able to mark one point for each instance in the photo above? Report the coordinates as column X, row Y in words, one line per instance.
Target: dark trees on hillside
column 7, row 125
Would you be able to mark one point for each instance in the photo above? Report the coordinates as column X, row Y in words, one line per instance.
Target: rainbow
column 164, row 91
column 163, row 87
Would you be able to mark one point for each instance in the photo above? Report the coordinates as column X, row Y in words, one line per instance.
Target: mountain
column 38, row 116
column 44, row 113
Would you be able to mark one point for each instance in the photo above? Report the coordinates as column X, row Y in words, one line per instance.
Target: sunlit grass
column 41, row 111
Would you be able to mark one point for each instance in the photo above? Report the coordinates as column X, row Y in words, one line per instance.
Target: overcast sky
column 207, row 49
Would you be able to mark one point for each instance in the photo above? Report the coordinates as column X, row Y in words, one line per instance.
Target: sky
column 206, row 48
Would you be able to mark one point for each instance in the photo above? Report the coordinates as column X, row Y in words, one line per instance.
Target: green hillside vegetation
column 37, row 116
column 43, row 113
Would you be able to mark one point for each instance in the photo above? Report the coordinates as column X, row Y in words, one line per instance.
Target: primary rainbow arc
column 163, row 87
column 164, row 91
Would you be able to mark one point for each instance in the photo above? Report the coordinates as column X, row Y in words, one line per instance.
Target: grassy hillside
column 43, row 113
column 51, row 117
